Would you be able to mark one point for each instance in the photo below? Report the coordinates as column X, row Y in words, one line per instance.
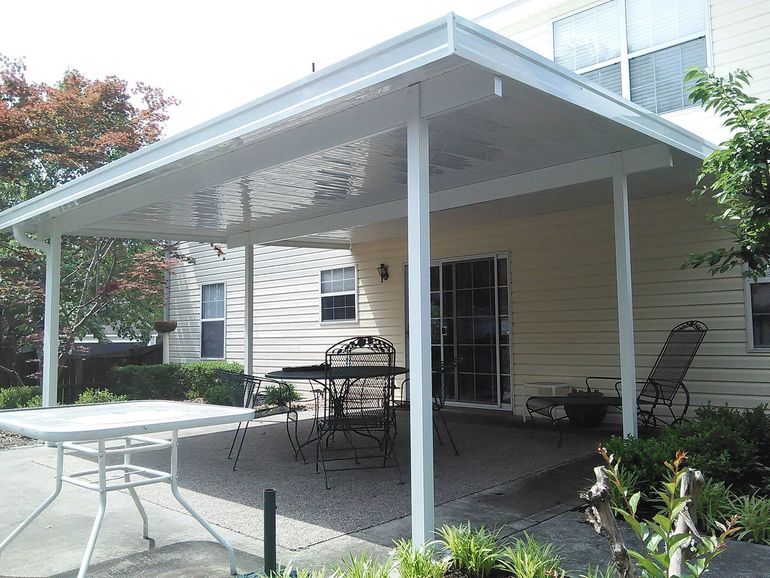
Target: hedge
column 173, row 381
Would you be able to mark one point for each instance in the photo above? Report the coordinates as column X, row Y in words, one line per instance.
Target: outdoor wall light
column 383, row 271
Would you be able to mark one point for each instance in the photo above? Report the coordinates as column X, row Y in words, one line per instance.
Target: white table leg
column 28, row 520
column 191, row 510
column 134, row 495
column 102, row 463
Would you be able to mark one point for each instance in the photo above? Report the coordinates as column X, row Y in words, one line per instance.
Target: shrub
column 528, row 559
column 218, row 393
column 474, row 552
column 99, row 396
column 418, row 563
column 658, row 535
column 715, row 505
column 754, row 518
column 17, row 396
column 148, row 382
column 364, row 567
column 174, row 381
column 36, row 401
column 281, row 394
column 197, row 376
column 727, row 444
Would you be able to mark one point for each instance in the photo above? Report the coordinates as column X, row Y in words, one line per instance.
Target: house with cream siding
column 523, row 288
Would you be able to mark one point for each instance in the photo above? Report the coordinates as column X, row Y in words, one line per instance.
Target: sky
column 213, row 56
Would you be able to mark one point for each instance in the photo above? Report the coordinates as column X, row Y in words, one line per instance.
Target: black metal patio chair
column 443, row 379
column 666, row 378
column 660, row 390
column 249, row 391
column 358, row 406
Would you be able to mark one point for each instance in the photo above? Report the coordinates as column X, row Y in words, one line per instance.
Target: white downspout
column 52, row 251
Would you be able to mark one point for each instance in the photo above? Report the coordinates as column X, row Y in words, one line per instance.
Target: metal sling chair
column 247, row 391
column 666, row 378
column 660, row 389
column 358, row 402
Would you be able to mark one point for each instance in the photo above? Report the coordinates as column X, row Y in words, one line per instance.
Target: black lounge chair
column 659, row 390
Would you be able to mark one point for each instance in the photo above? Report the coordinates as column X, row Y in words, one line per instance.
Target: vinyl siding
column 564, row 308
column 738, row 36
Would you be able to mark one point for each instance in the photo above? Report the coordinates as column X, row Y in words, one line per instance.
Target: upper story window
column 213, row 321
column 338, row 294
column 639, row 49
column 758, row 313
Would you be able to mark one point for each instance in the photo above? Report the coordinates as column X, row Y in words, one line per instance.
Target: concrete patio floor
column 504, row 478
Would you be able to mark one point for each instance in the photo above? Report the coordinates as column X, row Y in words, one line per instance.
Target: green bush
column 197, row 376
column 99, row 396
column 753, row 518
column 728, row 445
column 528, row 559
column 418, row 562
column 715, row 505
column 474, row 552
column 174, row 381
column 17, row 396
column 218, row 393
column 281, row 394
column 36, row 401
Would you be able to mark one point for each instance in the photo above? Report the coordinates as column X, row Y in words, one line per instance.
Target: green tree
column 50, row 134
column 737, row 174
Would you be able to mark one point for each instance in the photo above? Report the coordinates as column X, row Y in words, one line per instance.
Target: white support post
column 625, row 304
column 248, row 310
column 51, row 320
column 421, row 414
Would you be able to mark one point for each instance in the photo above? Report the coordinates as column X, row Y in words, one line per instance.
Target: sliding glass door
column 470, row 322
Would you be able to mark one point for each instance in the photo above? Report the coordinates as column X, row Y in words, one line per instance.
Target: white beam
column 593, row 169
column 421, row 413
column 248, row 310
column 51, row 321
column 625, row 304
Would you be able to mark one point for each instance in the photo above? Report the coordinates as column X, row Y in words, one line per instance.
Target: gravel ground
column 12, row 440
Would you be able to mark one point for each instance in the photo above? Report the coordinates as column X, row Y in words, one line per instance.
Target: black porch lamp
column 383, row 271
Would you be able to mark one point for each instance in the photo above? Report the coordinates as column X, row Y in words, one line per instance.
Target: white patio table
column 117, row 429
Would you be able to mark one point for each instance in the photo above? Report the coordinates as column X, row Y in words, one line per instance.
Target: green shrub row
column 173, row 381
column 460, row 551
column 19, row 396
column 727, row 444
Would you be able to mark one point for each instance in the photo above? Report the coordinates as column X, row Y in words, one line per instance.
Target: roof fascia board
column 402, row 54
column 592, row 169
column 503, row 56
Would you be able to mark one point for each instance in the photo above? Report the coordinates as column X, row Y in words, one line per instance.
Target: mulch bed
column 11, row 440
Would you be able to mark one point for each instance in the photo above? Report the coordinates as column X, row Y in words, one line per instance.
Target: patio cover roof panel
column 256, row 168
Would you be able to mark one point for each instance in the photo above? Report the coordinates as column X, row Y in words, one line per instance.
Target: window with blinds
column 213, row 321
column 655, row 45
column 758, row 309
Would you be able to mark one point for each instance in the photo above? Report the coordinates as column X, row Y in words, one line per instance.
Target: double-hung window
column 338, row 294
column 213, row 321
column 639, row 49
column 758, row 313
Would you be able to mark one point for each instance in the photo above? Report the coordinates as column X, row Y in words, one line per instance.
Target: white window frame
column 321, row 295
column 750, row 347
column 625, row 56
column 202, row 321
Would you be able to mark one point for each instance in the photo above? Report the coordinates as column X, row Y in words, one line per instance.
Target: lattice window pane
column 588, row 37
column 653, row 22
column 608, row 77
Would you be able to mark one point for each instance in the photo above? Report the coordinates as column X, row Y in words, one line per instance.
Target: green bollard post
column 271, row 568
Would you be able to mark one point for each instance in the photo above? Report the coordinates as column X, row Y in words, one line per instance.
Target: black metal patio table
column 320, row 374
